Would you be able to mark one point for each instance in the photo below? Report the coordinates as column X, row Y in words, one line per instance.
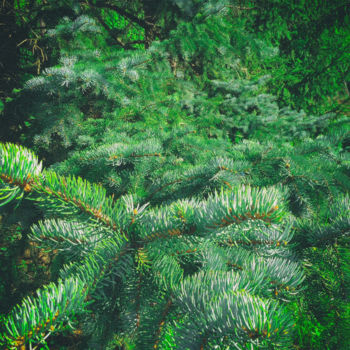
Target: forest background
column 173, row 100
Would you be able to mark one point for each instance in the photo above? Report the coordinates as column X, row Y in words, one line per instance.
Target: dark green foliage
column 24, row 53
column 312, row 71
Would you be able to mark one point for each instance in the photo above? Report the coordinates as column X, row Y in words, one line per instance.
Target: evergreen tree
column 181, row 201
column 220, row 266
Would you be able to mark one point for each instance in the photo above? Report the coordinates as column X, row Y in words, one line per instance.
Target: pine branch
column 18, row 169
column 48, row 312
column 70, row 236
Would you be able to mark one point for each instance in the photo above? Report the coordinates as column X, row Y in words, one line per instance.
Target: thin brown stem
column 162, row 322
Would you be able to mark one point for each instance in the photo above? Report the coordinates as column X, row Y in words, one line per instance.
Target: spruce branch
column 51, row 310
column 72, row 236
column 18, row 168
column 21, row 172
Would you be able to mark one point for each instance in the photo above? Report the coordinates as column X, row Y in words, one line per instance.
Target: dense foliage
column 186, row 200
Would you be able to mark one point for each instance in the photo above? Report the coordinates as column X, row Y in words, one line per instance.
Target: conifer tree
column 169, row 230
column 219, row 265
